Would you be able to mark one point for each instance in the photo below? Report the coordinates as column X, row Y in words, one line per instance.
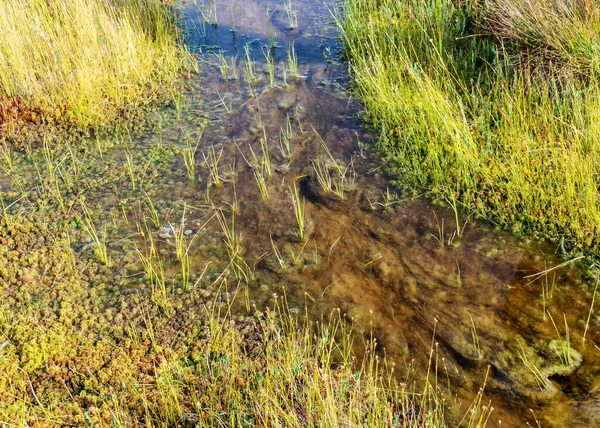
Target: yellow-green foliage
column 76, row 351
column 84, row 61
column 495, row 103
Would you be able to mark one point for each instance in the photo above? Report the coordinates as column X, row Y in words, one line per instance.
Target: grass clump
column 84, row 63
column 493, row 103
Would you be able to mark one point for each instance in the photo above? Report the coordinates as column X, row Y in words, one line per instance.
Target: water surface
column 394, row 264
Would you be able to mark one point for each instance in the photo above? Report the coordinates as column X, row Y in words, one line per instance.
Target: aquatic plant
column 232, row 241
column 532, row 366
column 228, row 106
column 154, row 266
column 563, row 345
column 223, row 65
column 299, row 205
column 260, row 177
column 152, row 210
column 341, row 179
column 98, row 237
column 587, row 322
column 261, row 168
column 277, row 253
column 6, row 155
column 292, row 15
column 234, row 73
column 208, row 10
column 292, row 60
column 285, row 136
column 297, row 258
column 211, row 161
column 475, row 338
column 267, row 53
column 189, row 156
column 265, row 156
column 130, row 168
column 182, row 248
column 249, row 69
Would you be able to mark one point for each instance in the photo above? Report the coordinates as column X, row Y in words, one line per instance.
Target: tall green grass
column 84, row 62
column 494, row 103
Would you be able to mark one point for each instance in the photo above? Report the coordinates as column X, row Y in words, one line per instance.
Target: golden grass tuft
column 84, row 62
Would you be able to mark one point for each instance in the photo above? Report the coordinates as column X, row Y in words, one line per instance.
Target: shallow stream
column 247, row 152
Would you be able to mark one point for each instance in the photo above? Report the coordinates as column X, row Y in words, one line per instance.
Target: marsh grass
column 154, row 267
column 234, row 72
column 587, row 323
column 211, row 161
column 233, row 243
column 97, row 235
column 131, row 169
column 249, row 69
column 493, row 103
column 291, row 14
column 332, row 175
column 49, row 171
column 475, row 338
column 182, row 249
column 223, row 65
column 299, row 204
column 533, row 368
column 560, row 34
column 268, row 54
column 189, row 156
column 85, row 62
column 562, row 346
column 292, row 60
column 261, row 166
column 285, row 137
column 277, row 253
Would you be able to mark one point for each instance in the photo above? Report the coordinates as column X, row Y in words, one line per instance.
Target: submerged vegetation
column 74, row 352
column 106, row 319
column 142, row 271
column 492, row 103
column 85, row 63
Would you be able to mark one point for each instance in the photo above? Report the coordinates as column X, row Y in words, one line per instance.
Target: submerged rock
column 530, row 369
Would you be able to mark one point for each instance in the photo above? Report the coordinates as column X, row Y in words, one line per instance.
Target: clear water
column 393, row 264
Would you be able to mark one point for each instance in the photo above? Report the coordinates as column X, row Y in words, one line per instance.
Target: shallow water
column 379, row 257
column 392, row 263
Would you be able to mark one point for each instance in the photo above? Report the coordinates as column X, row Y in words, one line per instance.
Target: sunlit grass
column 85, row 62
column 485, row 105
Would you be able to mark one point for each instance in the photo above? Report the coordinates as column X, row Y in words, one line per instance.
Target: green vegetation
column 72, row 352
column 84, row 63
column 133, row 282
column 135, row 310
column 493, row 104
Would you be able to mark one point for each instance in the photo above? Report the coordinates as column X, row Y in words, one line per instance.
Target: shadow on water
column 404, row 270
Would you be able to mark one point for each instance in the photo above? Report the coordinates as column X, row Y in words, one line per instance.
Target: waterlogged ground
column 261, row 182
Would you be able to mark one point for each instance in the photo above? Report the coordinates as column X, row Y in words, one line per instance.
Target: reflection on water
column 270, row 176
